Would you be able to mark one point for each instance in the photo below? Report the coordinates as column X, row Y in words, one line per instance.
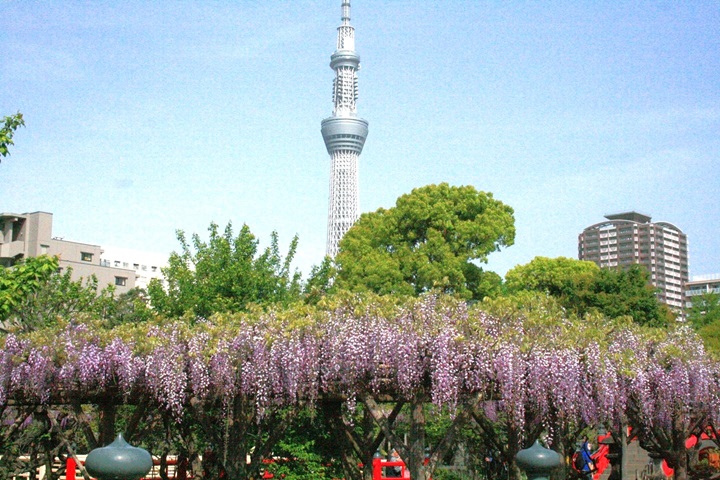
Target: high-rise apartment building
column 344, row 134
column 631, row 238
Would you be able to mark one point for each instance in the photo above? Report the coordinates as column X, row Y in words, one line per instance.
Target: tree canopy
column 7, row 130
column 225, row 274
column 23, row 279
column 555, row 276
column 433, row 238
column 35, row 294
column 705, row 310
column 704, row 316
column 583, row 288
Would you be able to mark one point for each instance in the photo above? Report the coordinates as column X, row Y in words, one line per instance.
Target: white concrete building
column 701, row 284
column 146, row 265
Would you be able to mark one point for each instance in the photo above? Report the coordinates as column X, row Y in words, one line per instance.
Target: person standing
column 396, row 470
column 588, row 466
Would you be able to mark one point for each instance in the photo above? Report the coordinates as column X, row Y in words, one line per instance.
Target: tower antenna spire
column 346, row 12
column 344, row 134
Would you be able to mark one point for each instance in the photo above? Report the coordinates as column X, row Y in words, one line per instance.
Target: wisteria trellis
column 436, row 348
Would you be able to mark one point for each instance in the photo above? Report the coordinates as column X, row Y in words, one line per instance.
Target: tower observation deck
column 344, row 134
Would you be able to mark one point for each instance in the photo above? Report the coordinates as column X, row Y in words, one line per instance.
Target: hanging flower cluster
column 434, row 347
column 675, row 385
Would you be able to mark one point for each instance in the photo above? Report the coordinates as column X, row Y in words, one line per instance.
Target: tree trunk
column 163, row 466
column 513, row 447
column 415, row 450
column 623, row 463
column 197, row 468
column 349, row 441
column 107, row 424
column 679, row 436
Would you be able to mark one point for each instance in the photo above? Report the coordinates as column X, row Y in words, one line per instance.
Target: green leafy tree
column 704, row 316
column 225, row 274
column 433, row 238
column 583, row 287
column 129, row 307
column 35, row 294
column 307, row 451
column 618, row 292
column 320, row 281
column 22, row 279
column 710, row 335
column 483, row 283
column 558, row 277
column 705, row 310
column 7, row 130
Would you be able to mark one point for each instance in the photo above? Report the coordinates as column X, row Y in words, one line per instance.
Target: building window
column 44, row 249
column 120, row 281
column 86, row 257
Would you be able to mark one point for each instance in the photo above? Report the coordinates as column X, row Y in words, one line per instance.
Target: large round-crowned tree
column 582, row 287
column 432, row 238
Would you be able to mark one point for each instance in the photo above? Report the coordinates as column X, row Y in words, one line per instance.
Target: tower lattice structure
column 344, row 134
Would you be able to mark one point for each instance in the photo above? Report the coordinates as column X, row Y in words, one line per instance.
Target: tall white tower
column 344, row 134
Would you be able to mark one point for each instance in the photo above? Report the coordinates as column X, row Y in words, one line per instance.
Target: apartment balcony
column 12, row 249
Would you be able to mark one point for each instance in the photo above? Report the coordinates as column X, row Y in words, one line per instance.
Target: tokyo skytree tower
column 344, row 134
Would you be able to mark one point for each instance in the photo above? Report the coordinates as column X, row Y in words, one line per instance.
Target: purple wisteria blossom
column 434, row 348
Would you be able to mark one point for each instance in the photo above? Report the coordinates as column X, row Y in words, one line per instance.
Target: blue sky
column 147, row 117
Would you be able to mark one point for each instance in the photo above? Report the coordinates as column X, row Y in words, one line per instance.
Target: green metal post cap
column 118, row 461
column 537, row 460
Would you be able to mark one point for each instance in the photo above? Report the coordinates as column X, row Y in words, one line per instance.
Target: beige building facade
column 30, row 235
column 632, row 238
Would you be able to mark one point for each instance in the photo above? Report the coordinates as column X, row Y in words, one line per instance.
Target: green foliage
column 307, row 451
column 59, row 297
column 320, row 281
column 129, row 307
column 558, row 277
column 35, row 294
column 482, row 283
column 583, row 288
column 628, row 292
column 428, row 241
column 705, row 310
column 441, row 474
column 7, row 130
column 23, row 279
column 704, row 316
column 541, row 319
column 226, row 274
